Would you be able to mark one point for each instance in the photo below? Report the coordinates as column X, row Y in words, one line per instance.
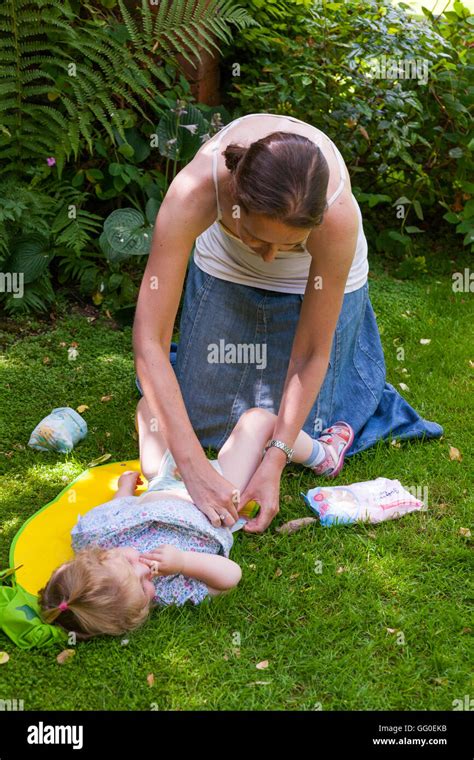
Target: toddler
column 134, row 553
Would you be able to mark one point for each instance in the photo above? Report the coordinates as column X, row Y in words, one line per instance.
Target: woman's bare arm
column 332, row 246
column 187, row 210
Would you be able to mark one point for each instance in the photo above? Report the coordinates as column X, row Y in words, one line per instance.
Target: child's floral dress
column 144, row 526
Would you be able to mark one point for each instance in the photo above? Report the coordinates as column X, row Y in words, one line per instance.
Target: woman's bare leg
column 242, row 452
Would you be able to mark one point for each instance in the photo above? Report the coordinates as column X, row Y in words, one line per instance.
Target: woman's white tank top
column 224, row 255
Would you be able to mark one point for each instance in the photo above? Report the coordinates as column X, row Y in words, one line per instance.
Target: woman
column 276, row 310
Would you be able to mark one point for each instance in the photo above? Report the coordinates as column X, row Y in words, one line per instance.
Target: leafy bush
column 355, row 70
column 84, row 92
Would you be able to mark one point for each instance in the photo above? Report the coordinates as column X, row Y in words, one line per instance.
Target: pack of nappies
column 59, row 431
column 372, row 501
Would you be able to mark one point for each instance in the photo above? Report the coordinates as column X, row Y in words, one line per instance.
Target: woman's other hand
column 264, row 487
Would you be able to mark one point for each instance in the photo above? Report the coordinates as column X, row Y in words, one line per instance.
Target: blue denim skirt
column 233, row 354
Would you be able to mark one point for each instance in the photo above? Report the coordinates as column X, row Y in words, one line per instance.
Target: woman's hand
column 164, row 560
column 212, row 494
column 264, row 487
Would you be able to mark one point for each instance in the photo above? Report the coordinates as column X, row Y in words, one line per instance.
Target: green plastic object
column 21, row 621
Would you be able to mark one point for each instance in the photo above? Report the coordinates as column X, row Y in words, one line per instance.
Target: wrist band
column 280, row 445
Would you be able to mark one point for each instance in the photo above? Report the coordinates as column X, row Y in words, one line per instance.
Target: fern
column 62, row 77
column 185, row 26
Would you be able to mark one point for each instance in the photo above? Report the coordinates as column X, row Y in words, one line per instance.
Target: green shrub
column 408, row 145
column 84, row 89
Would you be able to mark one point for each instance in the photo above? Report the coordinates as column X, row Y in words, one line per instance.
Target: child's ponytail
column 84, row 597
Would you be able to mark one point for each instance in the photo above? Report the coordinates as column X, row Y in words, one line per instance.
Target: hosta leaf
column 31, row 255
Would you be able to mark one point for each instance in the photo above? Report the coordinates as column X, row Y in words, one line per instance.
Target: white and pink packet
column 372, row 501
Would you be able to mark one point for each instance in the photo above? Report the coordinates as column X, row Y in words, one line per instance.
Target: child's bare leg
column 152, row 442
column 242, row 452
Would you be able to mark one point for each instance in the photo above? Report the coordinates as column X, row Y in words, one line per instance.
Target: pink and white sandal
column 335, row 440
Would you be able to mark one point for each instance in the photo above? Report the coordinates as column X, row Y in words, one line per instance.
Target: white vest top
column 224, row 255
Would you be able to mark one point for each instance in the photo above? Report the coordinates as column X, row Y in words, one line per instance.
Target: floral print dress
column 127, row 521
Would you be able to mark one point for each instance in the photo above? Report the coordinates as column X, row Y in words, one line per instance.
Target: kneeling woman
column 279, row 275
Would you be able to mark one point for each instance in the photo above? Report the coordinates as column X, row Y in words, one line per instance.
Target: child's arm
column 216, row 572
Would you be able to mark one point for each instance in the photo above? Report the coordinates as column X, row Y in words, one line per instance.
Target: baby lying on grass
column 134, row 553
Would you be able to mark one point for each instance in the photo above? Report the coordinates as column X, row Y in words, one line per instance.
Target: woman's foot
column 335, row 440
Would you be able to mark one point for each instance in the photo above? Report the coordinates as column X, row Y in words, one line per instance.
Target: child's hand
column 164, row 560
column 128, row 481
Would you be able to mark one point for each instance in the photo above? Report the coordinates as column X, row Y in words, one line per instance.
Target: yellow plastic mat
column 44, row 541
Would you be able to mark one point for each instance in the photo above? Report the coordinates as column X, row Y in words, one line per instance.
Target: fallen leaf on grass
column 150, row 679
column 466, row 630
column 471, row 363
column 99, row 460
column 396, row 443
column 404, row 386
column 4, row 657
column 46, row 360
column 82, row 408
column 341, row 569
column 278, row 572
column 65, row 655
column 262, row 665
column 391, row 630
column 287, row 498
column 465, row 532
column 294, row 525
column 258, row 683
column 106, row 398
column 441, row 681
column 295, row 575
column 425, row 341
column 455, row 454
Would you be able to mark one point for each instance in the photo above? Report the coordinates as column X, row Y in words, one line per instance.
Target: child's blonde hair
column 85, row 597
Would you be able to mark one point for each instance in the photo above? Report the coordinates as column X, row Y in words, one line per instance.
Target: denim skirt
column 233, row 353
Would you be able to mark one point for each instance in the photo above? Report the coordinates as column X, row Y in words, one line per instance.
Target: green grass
column 325, row 635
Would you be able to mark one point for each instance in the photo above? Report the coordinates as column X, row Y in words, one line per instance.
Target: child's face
column 125, row 558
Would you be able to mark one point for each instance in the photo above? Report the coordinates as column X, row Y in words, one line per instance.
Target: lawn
column 384, row 625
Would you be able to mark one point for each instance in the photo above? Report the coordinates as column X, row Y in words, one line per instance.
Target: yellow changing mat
column 44, row 541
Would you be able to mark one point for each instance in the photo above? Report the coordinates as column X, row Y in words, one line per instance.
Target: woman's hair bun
column 232, row 154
